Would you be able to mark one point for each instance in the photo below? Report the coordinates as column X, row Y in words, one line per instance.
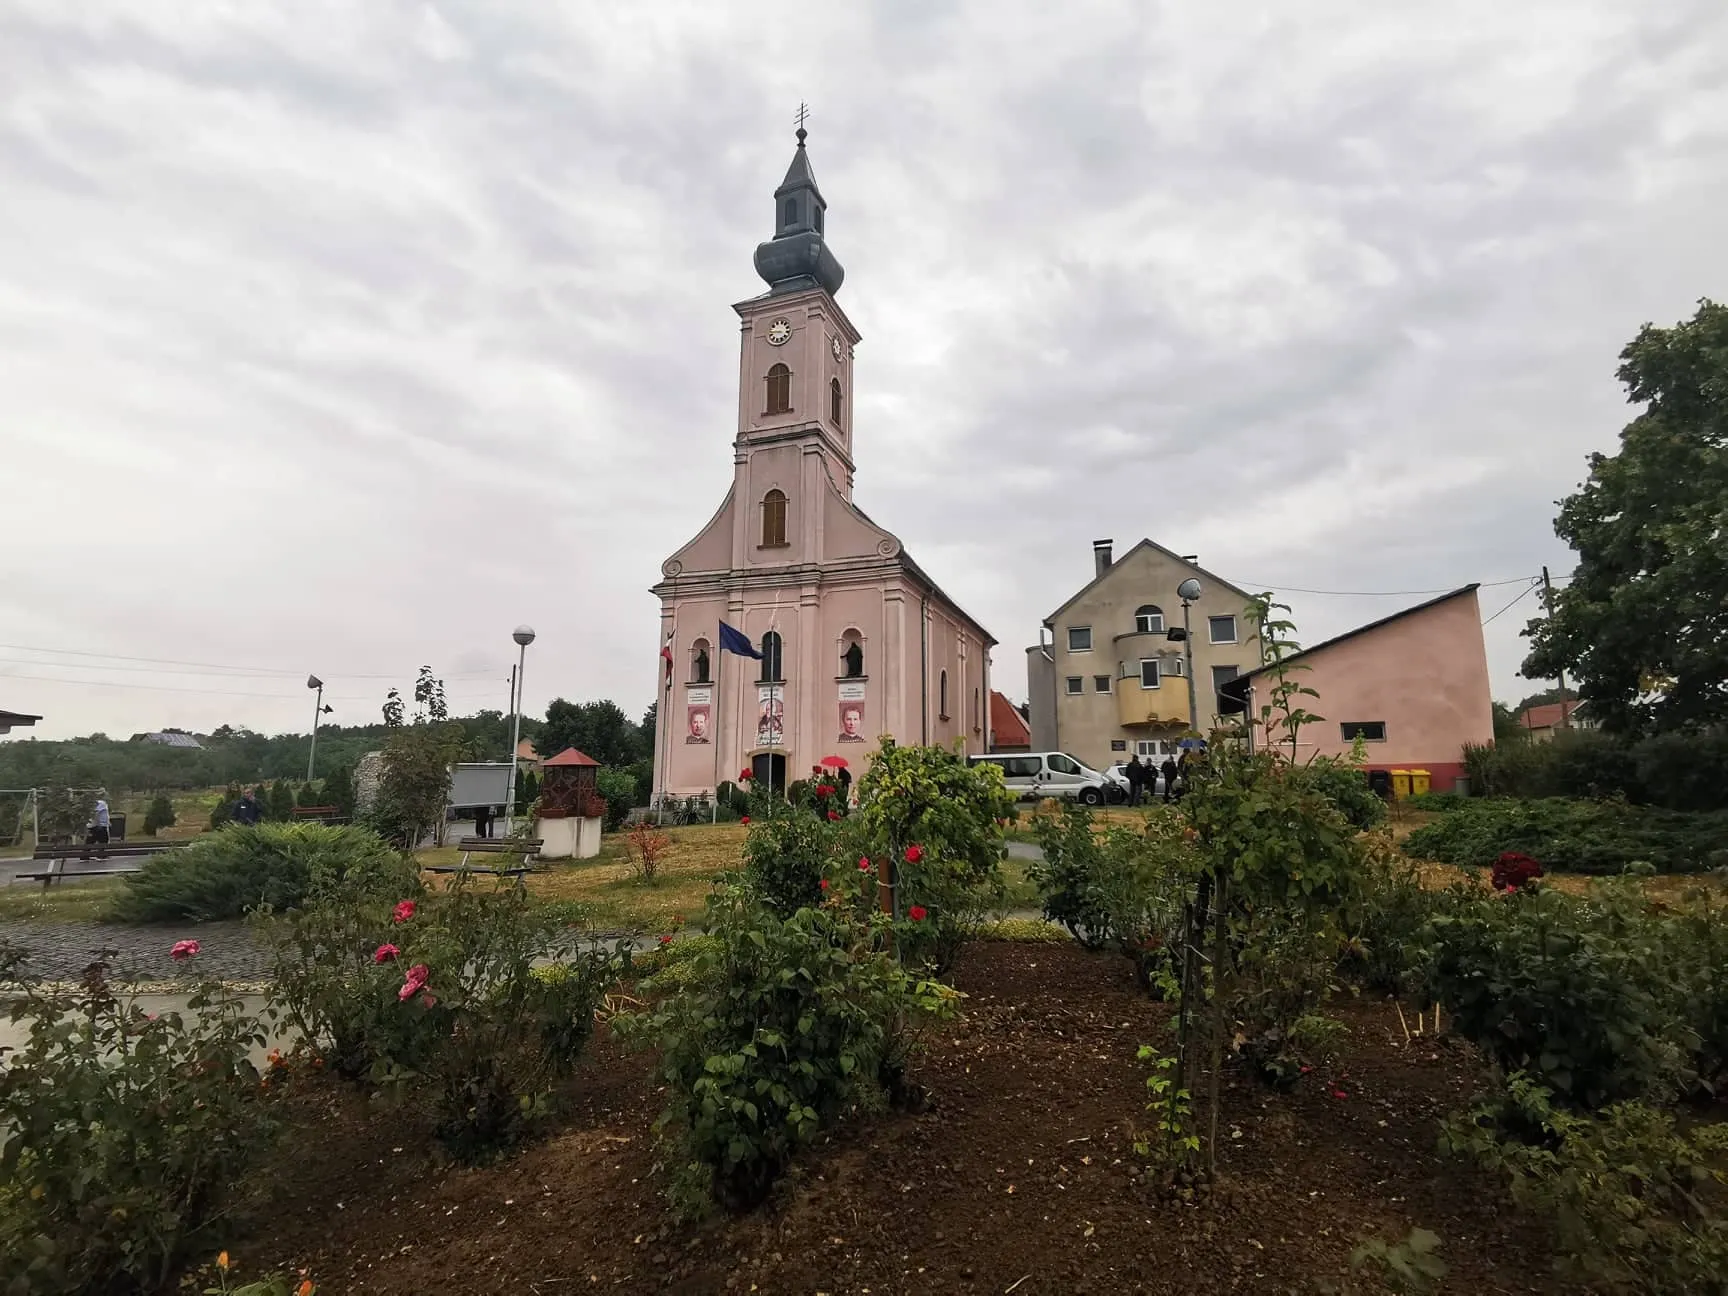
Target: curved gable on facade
column 711, row 549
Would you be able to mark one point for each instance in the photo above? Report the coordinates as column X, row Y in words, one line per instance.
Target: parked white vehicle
column 1032, row 775
column 1120, row 791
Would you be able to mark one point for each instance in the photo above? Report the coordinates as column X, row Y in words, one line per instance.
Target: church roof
column 798, row 256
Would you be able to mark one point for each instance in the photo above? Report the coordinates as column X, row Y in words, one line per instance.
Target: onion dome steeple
column 796, row 257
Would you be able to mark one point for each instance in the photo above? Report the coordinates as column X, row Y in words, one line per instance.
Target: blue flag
column 736, row 641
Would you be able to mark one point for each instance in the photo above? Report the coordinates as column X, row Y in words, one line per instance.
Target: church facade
column 855, row 641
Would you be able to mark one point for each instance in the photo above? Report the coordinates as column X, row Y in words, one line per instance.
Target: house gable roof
column 1548, row 715
column 1098, row 580
column 1007, row 726
column 1364, row 629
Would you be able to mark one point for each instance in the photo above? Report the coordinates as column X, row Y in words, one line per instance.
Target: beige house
column 1106, row 680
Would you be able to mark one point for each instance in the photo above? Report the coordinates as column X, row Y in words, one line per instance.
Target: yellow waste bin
column 1400, row 784
column 1419, row 780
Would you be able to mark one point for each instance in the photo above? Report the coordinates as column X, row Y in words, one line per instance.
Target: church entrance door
column 768, row 769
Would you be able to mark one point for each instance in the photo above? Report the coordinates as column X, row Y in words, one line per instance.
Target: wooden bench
column 323, row 814
column 470, row 846
column 132, row 853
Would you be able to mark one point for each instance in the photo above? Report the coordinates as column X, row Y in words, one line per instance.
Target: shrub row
column 1574, row 836
column 1671, row 771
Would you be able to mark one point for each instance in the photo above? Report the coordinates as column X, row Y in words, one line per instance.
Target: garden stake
column 1402, row 1022
column 1219, row 1000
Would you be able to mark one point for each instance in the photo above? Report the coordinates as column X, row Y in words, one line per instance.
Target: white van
column 1031, row 775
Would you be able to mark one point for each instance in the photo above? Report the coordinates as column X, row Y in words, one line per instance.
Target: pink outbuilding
column 855, row 640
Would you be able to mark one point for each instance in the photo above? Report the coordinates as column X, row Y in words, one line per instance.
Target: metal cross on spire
column 803, row 116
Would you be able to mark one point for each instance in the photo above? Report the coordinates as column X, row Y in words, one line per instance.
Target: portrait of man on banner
column 851, row 722
column 696, row 723
column 771, row 720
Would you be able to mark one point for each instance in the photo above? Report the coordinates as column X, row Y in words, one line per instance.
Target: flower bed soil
column 1018, row 1177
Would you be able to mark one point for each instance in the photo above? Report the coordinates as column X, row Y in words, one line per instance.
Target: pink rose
column 416, row 979
column 403, row 912
column 184, row 950
column 863, row 864
column 428, row 1001
column 385, row 953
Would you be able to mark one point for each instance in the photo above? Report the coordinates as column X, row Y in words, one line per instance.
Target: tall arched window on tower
column 771, row 657
column 942, row 696
column 774, row 520
column 1148, row 619
column 779, row 390
column 834, row 400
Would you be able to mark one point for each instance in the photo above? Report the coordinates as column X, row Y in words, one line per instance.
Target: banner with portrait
column 770, row 716
column 851, row 712
column 698, row 716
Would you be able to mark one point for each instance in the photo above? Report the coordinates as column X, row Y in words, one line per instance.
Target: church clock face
column 838, row 350
column 780, row 332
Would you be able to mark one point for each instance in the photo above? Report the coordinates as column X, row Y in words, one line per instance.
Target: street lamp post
column 523, row 635
column 1188, row 591
column 318, row 709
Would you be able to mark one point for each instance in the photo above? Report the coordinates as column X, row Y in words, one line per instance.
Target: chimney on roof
column 1101, row 556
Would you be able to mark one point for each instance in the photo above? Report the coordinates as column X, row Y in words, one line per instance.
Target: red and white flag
column 666, row 656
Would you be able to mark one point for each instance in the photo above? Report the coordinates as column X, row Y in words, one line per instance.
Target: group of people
column 1143, row 778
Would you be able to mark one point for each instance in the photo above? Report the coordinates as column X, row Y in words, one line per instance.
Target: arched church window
column 834, row 401
column 1148, row 619
column 771, row 657
column 779, row 390
column 942, row 696
column 791, row 211
column 774, row 520
column 699, row 662
column 852, row 655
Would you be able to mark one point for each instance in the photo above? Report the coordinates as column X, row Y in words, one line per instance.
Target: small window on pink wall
column 774, row 520
column 779, row 390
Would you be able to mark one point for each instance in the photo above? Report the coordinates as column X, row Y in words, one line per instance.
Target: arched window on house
column 1149, row 619
column 771, row 658
column 774, row 520
column 779, row 390
column 851, row 655
column 942, row 696
column 700, row 662
column 835, row 403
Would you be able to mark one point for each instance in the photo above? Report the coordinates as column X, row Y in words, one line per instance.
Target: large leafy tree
column 597, row 729
column 1643, row 626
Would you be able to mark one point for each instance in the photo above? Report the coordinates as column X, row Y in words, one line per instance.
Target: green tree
column 597, row 729
column 1643, row 625
column 1507, row 728
column 650, row 726
column 159, row 815
column 279, row 806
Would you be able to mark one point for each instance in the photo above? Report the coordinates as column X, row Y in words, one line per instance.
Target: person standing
column 248, row 811
column 97, row 834
column 1169, row 771
column 482, row 821
column 1135, row 773
column 845, row 777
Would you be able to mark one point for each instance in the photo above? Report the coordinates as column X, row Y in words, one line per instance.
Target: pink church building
column 856, row 641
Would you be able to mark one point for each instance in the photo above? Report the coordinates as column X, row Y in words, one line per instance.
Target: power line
column 162, row 688
column 1535, row 584
column 1296, row 589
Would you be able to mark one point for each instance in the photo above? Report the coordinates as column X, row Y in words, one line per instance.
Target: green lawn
column 62, row 902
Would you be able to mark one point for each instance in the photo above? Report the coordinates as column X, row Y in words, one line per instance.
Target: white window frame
column 1211, row 629
column 1074, row 685
column 1157, row 672
column 1150, row 629
column 1085, row 630
column 1095, row 680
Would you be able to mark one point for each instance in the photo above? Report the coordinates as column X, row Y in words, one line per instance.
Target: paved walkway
column 60, row 951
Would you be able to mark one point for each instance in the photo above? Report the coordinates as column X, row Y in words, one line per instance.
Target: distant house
column 1412, row 686
column 170, row 738
column 1009, row 731
column 1541, row 722
column 9, row 719
column 526, row 756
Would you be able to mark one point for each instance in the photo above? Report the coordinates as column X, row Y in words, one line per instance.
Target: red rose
column 385, row 953
column 833, row 816
column 914, row 854
column 744, row 776
column 824, row 789
column 863, row 864
column 665, row 941
column 743, row 819
column 823, row 884
column 415, row 981
column 916, row 913
column 402, row 912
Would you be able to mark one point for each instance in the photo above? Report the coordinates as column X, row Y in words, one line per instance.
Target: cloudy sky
column 344, row 337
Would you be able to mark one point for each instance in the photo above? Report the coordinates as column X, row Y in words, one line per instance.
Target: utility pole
column 1548, row 603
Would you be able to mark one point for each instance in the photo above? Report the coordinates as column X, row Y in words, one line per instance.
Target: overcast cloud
column 343, row 337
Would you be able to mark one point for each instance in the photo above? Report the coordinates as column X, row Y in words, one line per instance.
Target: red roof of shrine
column 570, row 756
